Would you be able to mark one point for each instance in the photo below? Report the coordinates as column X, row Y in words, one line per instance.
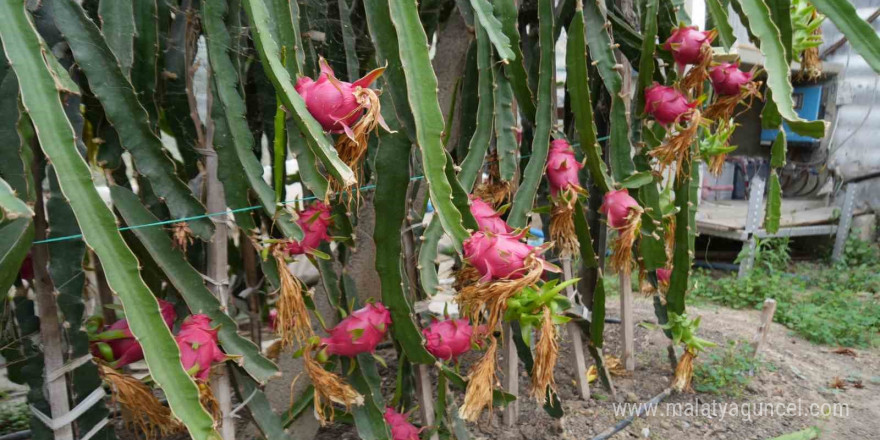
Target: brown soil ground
column 801, row 372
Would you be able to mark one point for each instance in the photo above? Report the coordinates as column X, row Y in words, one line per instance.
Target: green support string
column 215, row 214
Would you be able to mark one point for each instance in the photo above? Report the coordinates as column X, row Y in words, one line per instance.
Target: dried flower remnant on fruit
column 141, row 410
column 329, row 389
column 562, row 174
column 625, row 216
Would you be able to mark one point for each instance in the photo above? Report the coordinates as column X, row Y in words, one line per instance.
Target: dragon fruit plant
column 377, row 135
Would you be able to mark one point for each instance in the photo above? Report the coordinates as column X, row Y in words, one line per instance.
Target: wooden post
column 627, row 326
column 764, row 327
column 50, row 327
column 218, row 258
column 511, row 375
column 426, row 397
column 580, row 367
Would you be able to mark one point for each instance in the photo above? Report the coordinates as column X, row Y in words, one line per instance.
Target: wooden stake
column 511, row 375
column 50, row 327
column 766, row 319
column 627, row 326
column 218, row 258
column 580, row 367
column 426, row 397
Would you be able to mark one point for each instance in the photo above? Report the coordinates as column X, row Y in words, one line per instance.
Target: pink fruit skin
column 616, row 205
column 487, row 218
column 663, row 275
column 685, row 44
column 273, row 318
column 497, row 256
column 401, row 429
column 562, row 167
column 331, row 101
column 197, row 342
column 371, row 322
column 727, row 79
column 127, row 350
column 666, row 104
column 448, row 339
column 26, row 272
column 314, row 221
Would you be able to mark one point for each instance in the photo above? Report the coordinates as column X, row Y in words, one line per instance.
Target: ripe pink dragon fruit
column 666, row 104
column 314, row 221
column 617, row 205
column 686, row 42
column 487, row 218
column 663, row 275
column 401, row 429
column 197, row 342
column 123, row 345
column 448, row 339
column 562, row 167
column 497, row 256
column 727, row 79
column 332, row 102
column 273, row 319
column 360, row 332
column 26, row 272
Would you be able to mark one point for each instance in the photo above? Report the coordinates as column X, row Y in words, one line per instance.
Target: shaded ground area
column 794, row 370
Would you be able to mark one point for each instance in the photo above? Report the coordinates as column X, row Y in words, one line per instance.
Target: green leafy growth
column 777, row 152
column 544, row 117
column 493, row 27
column 230, row 172
column 718, row 11
column 117, row 25
column 11, row 207
column 190, row 284
column 270, row 55
column 578, row 83
column 780, row 12
column 266, row 420
column 388, row 54
column 482, row 137
column 805, row 22
column 124, row 111
column 646, row 62
column 421, row 86
column 505, row 127
column 16, row 237
column 777, row 67
column 804, row 434
column 506, row 11
column 392, row 178
column 145, row 64
column 66, row 270
column 226, row 82
column 729, row 370
column 857, row 31
column 681, row 257
column 368, row 417
column 40, row 97
column 774, row 204
column 601, row 52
